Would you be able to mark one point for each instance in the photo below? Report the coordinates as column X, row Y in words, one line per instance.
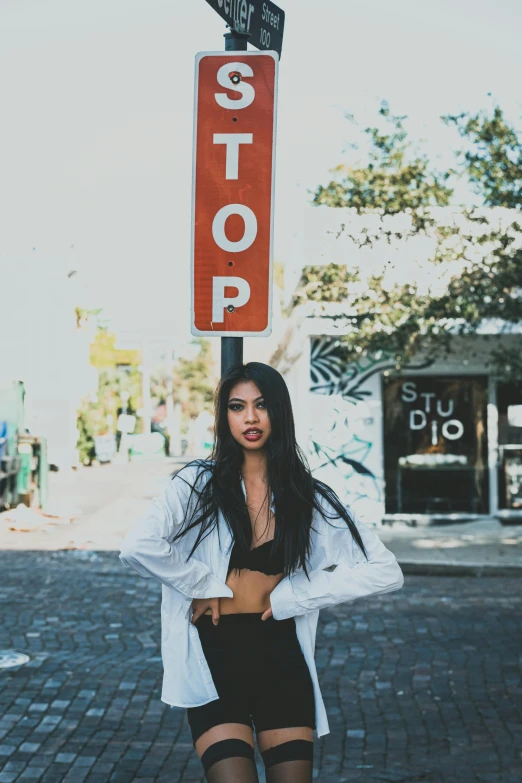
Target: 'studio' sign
column 234, row 126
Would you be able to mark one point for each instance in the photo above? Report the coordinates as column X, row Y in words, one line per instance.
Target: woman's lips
column 254, row 435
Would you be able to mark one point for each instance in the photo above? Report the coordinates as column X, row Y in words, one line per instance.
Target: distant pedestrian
column 249, row 547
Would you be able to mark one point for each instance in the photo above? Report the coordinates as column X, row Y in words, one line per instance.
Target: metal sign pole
column 232, row 347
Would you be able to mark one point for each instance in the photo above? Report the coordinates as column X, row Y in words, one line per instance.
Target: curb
column 459, row 569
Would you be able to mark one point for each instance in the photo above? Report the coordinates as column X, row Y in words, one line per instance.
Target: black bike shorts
column 260, row 674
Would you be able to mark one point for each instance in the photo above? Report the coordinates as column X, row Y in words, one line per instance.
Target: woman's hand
column 200, row 606
column 267, row 614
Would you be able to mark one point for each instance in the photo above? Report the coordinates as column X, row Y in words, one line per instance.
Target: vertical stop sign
column 233, row 181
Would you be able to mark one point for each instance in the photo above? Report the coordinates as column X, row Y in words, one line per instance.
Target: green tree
column 401, row 321
column 397, row 178
column 492, row 156
column 85, row 445
column 118, row 371
column 329, row 283
column 195, row 380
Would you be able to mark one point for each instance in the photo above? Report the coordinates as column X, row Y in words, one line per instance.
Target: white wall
column 341, row 428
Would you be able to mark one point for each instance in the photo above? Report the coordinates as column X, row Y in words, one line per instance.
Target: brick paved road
column 422, row 684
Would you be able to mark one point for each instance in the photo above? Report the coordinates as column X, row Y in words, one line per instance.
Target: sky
column 96, row 130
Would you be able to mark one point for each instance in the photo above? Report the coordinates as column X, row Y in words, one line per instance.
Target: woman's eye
column 261, row 404
column 234, row 407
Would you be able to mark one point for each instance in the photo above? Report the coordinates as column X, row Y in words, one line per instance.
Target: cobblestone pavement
column 422, row 684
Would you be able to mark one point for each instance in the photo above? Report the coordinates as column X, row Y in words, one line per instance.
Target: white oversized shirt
column 338, row 573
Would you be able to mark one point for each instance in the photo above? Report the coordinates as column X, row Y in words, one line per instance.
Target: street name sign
column 262, row 20
column 233, row 182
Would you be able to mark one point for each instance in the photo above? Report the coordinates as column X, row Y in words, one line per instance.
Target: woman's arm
column 147, row 548
column 349, row 575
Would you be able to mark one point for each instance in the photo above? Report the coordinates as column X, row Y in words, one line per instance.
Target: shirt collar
column 272, row 504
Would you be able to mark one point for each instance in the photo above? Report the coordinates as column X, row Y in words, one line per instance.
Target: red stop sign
column 234, row 144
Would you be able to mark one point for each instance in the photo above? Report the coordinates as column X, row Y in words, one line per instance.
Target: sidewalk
column 97, row 507
column 480, row 548
column 91, row 509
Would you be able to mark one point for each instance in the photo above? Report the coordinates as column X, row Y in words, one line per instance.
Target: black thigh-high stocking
column 230, row 761
column 289, row 762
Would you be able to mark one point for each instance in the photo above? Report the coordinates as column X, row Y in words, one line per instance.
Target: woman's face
column 247, row 416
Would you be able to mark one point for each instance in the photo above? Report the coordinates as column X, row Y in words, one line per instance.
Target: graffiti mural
column 345, row 445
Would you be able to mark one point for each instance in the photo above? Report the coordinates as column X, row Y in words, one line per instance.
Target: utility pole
column 232, row 347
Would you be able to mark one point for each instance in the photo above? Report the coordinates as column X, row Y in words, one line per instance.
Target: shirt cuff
column 212, row 587
column 282, row 600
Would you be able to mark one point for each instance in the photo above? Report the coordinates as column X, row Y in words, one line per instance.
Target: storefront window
column 509, row 401
column 435, row 445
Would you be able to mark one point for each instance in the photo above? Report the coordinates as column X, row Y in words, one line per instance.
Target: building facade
column 439, row 440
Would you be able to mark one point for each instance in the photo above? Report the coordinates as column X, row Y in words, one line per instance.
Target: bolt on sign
column 233, row 182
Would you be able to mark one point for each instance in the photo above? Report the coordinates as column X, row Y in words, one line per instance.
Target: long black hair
column 295, row 492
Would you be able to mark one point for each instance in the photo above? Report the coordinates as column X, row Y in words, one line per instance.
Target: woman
column 249, row 547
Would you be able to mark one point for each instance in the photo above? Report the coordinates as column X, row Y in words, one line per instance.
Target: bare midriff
column 251, row 592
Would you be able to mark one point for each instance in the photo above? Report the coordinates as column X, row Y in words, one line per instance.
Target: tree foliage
column 118, row 371
column 492, row 158
column 396, row 178
column 195, row 380
column 329, row 283
column 401, row 320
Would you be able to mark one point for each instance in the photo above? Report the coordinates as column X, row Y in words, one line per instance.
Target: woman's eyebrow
column 238, row 399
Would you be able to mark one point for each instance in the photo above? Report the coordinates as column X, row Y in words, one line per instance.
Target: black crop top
column 257, row 559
